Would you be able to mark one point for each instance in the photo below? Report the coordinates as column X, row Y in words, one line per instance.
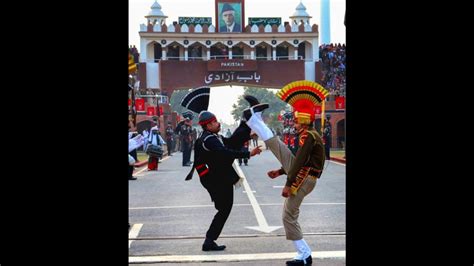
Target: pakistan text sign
column 232, row 65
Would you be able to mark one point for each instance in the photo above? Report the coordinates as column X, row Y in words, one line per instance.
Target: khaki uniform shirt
column 310, row 153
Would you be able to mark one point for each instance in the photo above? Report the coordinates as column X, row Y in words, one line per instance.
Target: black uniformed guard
column 169, row 138
column 327, row 134
column 214, row 155
column 213, row 158
column 185, row 132
column 179, row 138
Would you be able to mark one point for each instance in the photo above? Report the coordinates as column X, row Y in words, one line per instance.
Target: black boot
column 256, row 108
column 307, row 261
column 251, row 100
column 255, row 104
column 210, row 245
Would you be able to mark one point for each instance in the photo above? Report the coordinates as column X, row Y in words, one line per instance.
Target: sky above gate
column 222, row 98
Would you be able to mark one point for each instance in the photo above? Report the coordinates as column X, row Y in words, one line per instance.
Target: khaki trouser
column 291, row 209
column 292, row 205
column 281, row 152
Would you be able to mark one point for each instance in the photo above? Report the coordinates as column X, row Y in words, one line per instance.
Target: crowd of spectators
column 333, row 57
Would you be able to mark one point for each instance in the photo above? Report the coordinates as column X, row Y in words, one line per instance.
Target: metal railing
column 222, row 57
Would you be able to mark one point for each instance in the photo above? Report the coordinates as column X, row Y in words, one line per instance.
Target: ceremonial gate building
column 199, row 51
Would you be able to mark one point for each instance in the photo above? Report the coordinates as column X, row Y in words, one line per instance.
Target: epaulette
column 303, row 137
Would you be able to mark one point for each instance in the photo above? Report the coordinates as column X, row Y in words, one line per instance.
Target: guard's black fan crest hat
column 197, row 100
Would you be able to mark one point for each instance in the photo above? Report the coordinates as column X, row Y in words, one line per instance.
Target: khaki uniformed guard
column 305, row 167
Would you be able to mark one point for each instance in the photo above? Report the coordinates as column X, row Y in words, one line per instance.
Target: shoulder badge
column 303, row 136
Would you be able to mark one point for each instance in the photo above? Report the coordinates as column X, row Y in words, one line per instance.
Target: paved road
column 170, row 216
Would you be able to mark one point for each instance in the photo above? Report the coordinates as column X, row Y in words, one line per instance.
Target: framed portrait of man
column 230, row 15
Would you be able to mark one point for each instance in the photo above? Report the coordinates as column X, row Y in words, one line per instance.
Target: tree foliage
column 270, row 115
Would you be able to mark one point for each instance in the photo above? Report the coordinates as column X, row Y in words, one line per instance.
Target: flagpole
column 322, row 115
column 134, row 110
column 132, row 69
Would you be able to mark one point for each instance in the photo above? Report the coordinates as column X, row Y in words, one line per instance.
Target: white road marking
column 326, row 234
column 235, row 205
column 343, row 164
column 137, row 173
column 173, row 207
column 141, row 170
column 278, row 186
column 134, row 233
column 340, row 254
column 262, row 222
column 324, row 203
column 253, row 191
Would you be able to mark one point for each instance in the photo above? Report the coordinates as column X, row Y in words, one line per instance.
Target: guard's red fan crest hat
column 303, row 96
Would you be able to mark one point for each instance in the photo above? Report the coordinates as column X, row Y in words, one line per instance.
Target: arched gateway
column 193, row 52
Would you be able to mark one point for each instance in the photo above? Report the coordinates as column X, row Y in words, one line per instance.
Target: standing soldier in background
column 179, row 139
column 255, row 140
column 169, row 138
column 327, row 132
column 245, row 147
column 293, row 144
column 186, row 131
column 290, row 137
